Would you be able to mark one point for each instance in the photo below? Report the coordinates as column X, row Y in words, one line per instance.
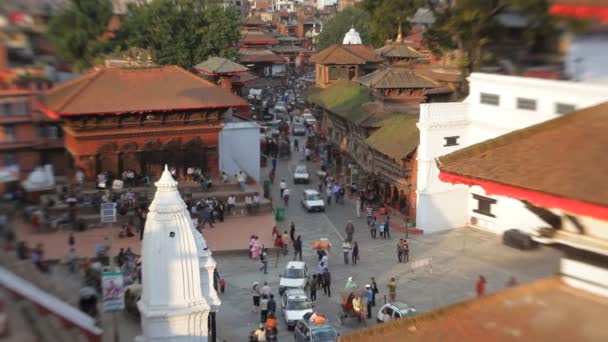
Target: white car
column 280, row 107
column 298, row 129
column 312, row 201
column 396, row 310
column 295, row 276
column 294, row 305
column 309, row 119
column 300, row 175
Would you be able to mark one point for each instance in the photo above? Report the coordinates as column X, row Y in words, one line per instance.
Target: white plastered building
column 496, row 105
column 177, row 272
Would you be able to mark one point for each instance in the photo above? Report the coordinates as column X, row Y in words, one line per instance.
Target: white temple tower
column 172, row 306
column 207, row 267
column 352, row 37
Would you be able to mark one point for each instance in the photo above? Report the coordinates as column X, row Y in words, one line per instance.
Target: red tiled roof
column 564, row 158
column 546, row 310
column 116, row 90
column 253, row 21
column 346, row 54
column 257, row 38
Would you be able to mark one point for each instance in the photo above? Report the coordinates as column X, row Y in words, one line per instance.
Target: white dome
column 352, row 37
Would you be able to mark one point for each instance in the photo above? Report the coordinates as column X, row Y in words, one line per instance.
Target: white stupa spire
column 172, row 307
column 352, row 37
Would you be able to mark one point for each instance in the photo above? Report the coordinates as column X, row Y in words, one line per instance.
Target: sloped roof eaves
column 397, row 137
column 345, row 99
column 346, row 55
column 564, row 157
column 396, row 78
column 218, row 65
column 398, row 50
column 117, row 91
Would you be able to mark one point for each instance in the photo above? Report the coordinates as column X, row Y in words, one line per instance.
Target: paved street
column 458, row 257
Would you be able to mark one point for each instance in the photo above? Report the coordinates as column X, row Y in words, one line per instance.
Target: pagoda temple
column 226, row 73
column 139, row 117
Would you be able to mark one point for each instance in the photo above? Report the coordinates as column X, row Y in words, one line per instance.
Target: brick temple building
column 140, row 117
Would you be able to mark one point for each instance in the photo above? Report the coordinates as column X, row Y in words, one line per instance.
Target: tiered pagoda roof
column 398, row 50
column 346, row 55
column 220, row 66
column 396, row 78
column 259, row 56
column 139, row 90
column 249, row 37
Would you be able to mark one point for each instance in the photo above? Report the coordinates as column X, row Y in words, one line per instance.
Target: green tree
column 386, row 15
column 335, row 28
column 182, row 32
column 467, row 25
column 76, row 31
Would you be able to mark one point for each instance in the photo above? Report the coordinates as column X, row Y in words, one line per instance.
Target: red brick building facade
column 140, row 118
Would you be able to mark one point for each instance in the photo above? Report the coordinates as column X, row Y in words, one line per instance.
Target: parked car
column 300, row 175
column 517, row 239
column 395, row 310
column 298, row 129
column 305, row 331
column 312, row 201
column 294, row 277
column 309, row 119
column 294, row 305
column 280, row 107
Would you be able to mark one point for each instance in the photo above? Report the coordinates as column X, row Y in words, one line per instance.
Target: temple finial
column 399, row 39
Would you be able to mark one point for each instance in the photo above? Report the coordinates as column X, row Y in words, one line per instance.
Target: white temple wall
column 239, row 148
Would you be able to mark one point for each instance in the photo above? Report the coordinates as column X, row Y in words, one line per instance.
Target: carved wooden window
column 451, row 141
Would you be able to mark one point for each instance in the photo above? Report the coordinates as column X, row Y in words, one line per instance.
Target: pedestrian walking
column 222, row 285
column 313, row 288
column 392, row 289
column 282, row 187
column 327, row 282
column 370, row 213
column 350, row 230
column 381, row 229
column 406, row 251
column 264, row 260
column 286, row 197
column 255, row 293
column 400, row 250
column 272, row 305
column 296, row 146
column 372, row 228
column 297, row 248
column 251, row 242
column 346, row 247
column 481, row 286
column 71, row 240
column 387, row 227
column 358, row 207
column 374, row 290
column 370, row 300
column 207, row 217
column 264, row 308
column 355, row 253
column 292, row 231
column 328, row 193
column 284, row 242
column 265, row 290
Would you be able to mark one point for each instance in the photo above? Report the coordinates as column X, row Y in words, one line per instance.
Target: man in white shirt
column 282, row 186
column 286, row 196
column 256, row 201
column 231, row 203
column 346, row 247
column 248, row 203
column 241, row 178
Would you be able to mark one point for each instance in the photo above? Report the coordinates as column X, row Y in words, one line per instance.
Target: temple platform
column 229, row 236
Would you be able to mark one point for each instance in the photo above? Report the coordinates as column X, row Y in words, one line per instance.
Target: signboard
column 112, row 289
column 108, row 212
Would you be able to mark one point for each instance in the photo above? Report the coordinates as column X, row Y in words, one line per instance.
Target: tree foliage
column 182, row 32
column 75, row 32
column 335, row 28
column 467, row 25
column 385, row 16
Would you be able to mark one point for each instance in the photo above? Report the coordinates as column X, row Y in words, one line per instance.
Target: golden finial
column 149, row 59
column 399, row 39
